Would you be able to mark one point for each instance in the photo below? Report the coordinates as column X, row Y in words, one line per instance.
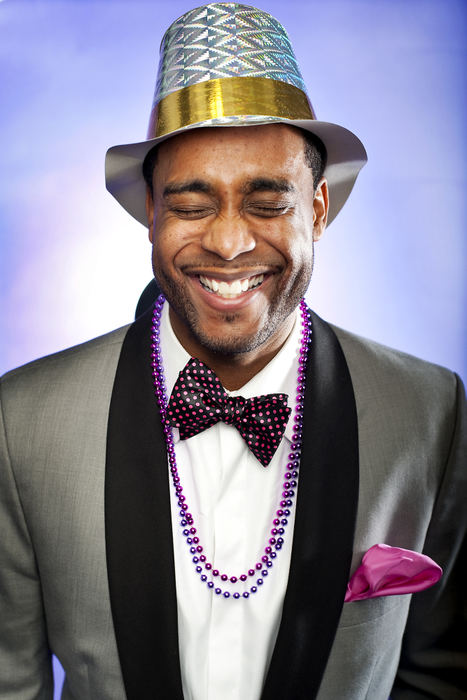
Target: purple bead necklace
column 206, row 571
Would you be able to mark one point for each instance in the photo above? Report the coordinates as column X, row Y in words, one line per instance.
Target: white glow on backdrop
column 77, row 77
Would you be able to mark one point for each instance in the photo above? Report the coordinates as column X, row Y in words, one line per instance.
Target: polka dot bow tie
column 199, row 400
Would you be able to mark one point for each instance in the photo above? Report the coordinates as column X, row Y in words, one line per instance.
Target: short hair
column 315, row 158
column 149, row 165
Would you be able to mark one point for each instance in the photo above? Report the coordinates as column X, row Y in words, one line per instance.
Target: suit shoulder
column 386, row 369
column 91, row 357
column 405, row 402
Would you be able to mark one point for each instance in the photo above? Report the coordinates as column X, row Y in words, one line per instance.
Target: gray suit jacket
column 84, row 487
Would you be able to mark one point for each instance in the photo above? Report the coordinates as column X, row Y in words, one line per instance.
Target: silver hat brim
column 346, row 156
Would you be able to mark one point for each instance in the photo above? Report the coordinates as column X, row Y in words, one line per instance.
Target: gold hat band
column 227, row 97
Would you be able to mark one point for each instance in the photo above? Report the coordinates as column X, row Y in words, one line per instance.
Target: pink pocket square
column 389, row 570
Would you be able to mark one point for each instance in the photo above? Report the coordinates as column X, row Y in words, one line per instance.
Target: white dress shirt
column 226, row 644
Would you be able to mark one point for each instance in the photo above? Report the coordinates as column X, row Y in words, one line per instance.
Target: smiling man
column 233, row 249
column 231, row 499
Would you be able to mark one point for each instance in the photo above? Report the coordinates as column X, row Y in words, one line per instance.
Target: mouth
column 233, row 289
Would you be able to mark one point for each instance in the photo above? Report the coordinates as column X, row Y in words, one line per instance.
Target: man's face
column 232, row 221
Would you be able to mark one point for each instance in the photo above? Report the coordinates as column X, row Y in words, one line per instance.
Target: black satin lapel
column 138, row 529
column 147, row 298
column 327, row 502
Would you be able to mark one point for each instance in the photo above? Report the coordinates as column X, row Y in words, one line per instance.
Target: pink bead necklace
column 209, row 575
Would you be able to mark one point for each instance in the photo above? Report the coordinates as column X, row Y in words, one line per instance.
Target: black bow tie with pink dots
column 199, row 401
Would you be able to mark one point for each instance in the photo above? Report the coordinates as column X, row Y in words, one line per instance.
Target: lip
column 218, row 303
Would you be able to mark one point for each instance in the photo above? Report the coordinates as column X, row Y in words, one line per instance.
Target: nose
column 228, row 237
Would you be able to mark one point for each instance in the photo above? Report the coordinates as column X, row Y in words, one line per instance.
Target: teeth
column 232, row 290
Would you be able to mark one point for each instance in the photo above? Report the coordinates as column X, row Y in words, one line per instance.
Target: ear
column 320, row 209
column 150, row 214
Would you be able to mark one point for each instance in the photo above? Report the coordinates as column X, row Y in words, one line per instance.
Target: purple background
column 78, row 77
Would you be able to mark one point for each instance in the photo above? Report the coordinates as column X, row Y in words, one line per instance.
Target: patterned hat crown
column 226, row 63
column 221, row 65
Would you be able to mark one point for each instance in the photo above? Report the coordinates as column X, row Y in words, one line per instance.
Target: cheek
column 161, row 255
column 166, row 244
column 296, row 243
column 298, row 249
column 302, row 267
column 173, row 238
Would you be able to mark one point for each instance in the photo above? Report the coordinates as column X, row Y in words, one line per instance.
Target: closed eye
column 268, row 209
column 193, row 212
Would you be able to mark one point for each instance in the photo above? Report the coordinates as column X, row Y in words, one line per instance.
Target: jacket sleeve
column 433, row 662
column 25, row 658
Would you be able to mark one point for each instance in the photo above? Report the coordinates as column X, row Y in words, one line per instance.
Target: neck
column 236, row 369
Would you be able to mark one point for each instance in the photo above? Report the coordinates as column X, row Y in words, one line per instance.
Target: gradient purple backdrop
column 77, row 76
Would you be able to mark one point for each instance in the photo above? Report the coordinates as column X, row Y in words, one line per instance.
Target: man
column 161, row 552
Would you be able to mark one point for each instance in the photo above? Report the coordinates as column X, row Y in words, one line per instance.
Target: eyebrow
column 187, row 186
column 258, row 184
column 267, row 184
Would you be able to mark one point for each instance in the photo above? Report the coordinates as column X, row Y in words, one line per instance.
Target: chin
column 229, row 343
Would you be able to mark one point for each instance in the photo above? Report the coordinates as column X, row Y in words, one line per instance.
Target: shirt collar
column 279, row 376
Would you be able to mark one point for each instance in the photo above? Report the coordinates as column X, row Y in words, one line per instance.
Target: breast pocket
column 361, row 612
column 366, row 649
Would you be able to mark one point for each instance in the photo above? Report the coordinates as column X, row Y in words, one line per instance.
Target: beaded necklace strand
column 205, row 569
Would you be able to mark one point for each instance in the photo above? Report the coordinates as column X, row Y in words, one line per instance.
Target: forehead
column 233, row 153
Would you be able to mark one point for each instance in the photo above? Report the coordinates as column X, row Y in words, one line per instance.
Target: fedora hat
column 226, row 64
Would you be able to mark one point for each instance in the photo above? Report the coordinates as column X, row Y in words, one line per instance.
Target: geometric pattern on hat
column 224, row 41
